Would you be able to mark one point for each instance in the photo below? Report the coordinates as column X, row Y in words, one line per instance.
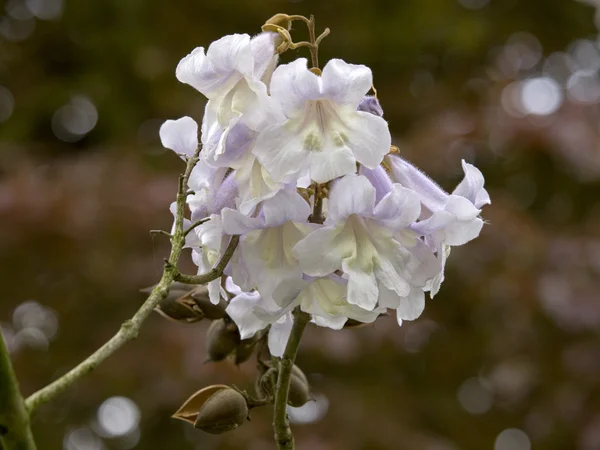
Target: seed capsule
column 299, row 388
column 222, row 338
column 211, row 311
column 223, row 411
column 173, row 308
column 214, row 409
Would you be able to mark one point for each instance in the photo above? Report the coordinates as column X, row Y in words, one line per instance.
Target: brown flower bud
column 211, row 311
column 244, row 350
column 214, row 409
column 172, row 307
column 223, row 411
column 222, row 338
column 299, row 391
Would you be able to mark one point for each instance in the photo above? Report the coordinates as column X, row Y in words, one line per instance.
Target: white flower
column 323, row 131
column 251, row 314
column 369, row 242
column 446, row 219
column 325, row 299
column 230, row 75
column 265, row 248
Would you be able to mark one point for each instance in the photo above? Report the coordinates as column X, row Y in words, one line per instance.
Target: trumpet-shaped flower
column 323, row 132
column 447, row 219
column 230, row 75
column 265, row 249
column 370, row 242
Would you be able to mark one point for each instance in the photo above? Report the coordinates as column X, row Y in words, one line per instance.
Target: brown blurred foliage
column 512, row 339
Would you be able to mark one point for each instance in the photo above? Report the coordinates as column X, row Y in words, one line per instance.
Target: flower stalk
column 129, row 329
column 15, row 431
column 281, row 425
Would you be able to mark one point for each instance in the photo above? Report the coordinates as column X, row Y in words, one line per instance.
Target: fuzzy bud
column 299, row 388
column 222, row 338
column 215, row 409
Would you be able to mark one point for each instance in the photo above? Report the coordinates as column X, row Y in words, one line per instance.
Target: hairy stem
column 130, row 329
column 281, row 425
column 15, row 432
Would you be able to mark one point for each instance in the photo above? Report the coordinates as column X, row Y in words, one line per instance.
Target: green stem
column 130, row 329
column 281, row 425
column 15, row 432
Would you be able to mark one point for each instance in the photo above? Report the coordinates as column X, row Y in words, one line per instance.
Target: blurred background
column 506, row 357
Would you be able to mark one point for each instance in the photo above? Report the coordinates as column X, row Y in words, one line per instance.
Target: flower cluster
column 298, row 163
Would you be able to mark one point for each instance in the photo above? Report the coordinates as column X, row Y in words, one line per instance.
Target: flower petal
column 346, row 83
column 217, row 71
column 471, row 187
column 292, row 85
column 322, row 251
column 362, row 286
column 240, row 309
column 431, row 195
column 368, row 137
column 398, row 209
column 352, row 194
column 286, row 205
column 279, row 335
column 180, row 135
column 411, row 306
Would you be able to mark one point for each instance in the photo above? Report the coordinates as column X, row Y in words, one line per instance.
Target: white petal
column 398, row 209
column 286, row 205
column 322, row 251
column 362, row 286
column 231, row 287
column 471, row 187
column 330, row 163
column 263, row 51
column 461, row 232
column 292, row 85
column 235, row 222
column 279, row 335
column 431, row 195
column 368, row 137
column 411, row 306
column 240, row 309
column 346, row 83
column 180, row 135
column 281, row 149
column 352, row 194
column 328, row 321
column 225, row 62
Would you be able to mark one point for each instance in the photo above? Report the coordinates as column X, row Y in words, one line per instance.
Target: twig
column 194, row 225
column 283, row 433
column 213, row 274
column 130, row 329
column 15, row 432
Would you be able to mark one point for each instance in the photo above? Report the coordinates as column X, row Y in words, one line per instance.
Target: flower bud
column 280, row 20
column 174, row 307
column 299, row 388
column 211, row 311
column 221, row 339
column 214, row 409
column 244, row 350
column 223, row 411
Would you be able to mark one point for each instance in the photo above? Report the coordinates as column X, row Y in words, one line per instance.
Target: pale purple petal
column 352, row 194
column 292, row 85
column 379, row 179
column 346, row 83
column 431, row 195
column 471, row 187
column 180, row 135
column 279, row 335
column 398, row 209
